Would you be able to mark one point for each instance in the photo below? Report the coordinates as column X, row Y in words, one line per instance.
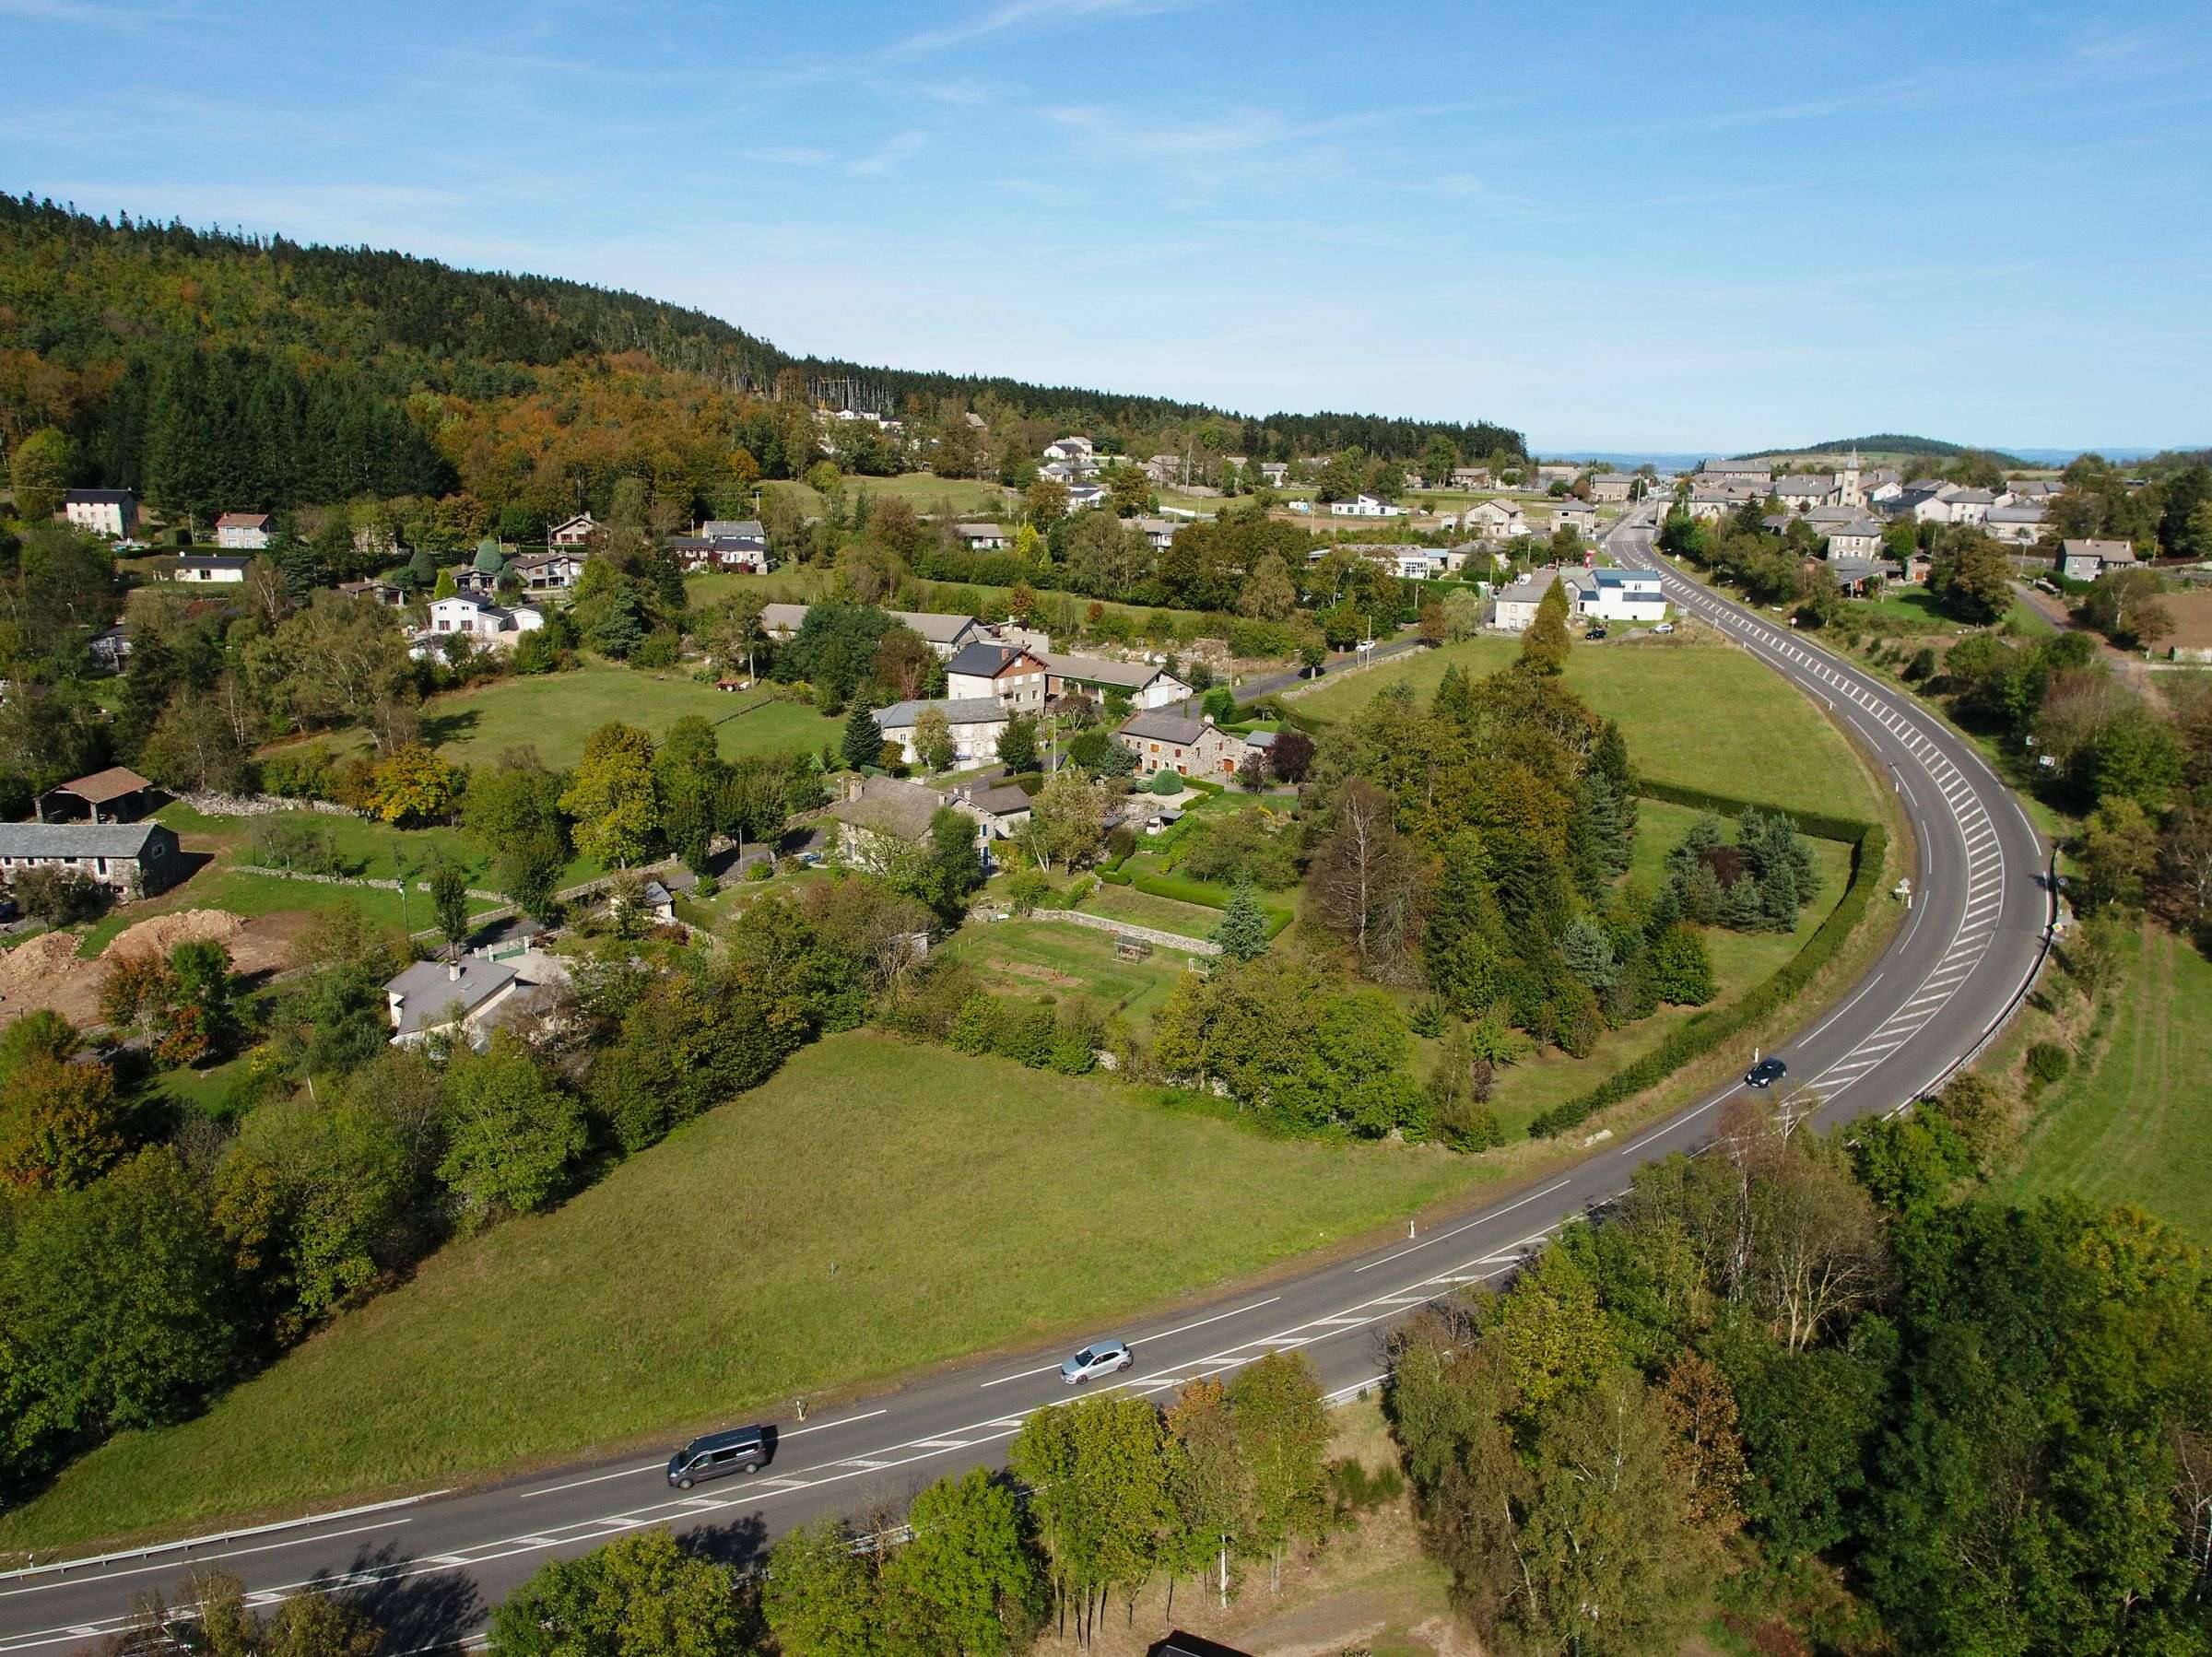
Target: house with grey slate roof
column 1174, row 742
column 976, row 722
column 132, row 860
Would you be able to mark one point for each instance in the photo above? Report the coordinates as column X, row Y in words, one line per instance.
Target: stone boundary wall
column 359, row 880
column 258, row 805
column 1171, row 940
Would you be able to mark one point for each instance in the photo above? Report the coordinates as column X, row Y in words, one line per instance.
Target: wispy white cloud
column 886, row 154
column 1913, row 92
column 1013, row 16
column 785, row 156
column 128, row 19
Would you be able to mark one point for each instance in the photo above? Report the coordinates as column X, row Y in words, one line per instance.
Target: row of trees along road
column 1107, row 1496
column 1824, row 1386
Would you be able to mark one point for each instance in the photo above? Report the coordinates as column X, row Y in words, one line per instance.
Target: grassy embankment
column 2133, row 1122
column 876, row 1207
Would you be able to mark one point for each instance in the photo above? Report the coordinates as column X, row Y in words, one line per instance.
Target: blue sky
column 1714, row 225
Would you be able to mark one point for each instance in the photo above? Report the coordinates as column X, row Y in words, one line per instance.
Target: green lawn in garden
column 786, row 584
column 1040, row 957
column 876, row 1207
column 2133, row 1123
column 555, row 713
column 1142, row 909
column 1698, row 715
column 1904, row 610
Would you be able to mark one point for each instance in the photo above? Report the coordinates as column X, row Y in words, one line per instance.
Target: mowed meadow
column 2131, row 1121
column 555, row 714
column 1696, row 714
column 876, row 1207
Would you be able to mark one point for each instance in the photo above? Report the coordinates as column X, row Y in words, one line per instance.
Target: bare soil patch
column 47, row 972
column 2191, row 614
column 1044, row 975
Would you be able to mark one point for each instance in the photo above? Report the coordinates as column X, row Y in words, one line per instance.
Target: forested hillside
column 210, row 370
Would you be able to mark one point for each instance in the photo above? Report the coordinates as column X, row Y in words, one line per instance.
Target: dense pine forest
column 210, row 370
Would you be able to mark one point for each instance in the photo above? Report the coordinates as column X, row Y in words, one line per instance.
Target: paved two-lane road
column 431, row 1566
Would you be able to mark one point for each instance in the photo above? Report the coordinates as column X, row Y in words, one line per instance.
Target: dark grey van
column 739, row 1449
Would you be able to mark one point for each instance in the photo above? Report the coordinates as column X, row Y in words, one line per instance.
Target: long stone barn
column 133, row 860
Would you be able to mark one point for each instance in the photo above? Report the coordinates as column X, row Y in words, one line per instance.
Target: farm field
column 2192, row 613
column 556, row 712
column 2133, row 1122
column 609, row 1319
column 924, row 489
column 1697, row 715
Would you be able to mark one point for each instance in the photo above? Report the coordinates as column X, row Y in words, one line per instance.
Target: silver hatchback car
column 1101, row 1357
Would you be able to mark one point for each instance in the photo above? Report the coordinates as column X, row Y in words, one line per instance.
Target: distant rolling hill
column 1890, row 444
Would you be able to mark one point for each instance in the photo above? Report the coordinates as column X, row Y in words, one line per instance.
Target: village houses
column 109, row 513
column 217, row 569
column 244, row 531
column 1174, row 742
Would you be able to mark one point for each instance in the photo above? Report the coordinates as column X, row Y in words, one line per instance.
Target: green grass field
column 1142, row 909
column 1041, row 958
column 556, row 712
column 2133, row 1123
column 1903, row 610
column 1699, row 715
column 247, row 896
column 954, row 1200
column 925, row 490
column 367, row 849
column 789, row 584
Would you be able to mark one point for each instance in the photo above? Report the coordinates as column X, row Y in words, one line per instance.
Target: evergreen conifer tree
column 864, row 738
column 1242, row 933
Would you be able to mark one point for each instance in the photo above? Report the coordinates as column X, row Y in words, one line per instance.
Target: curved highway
column 430, row 1566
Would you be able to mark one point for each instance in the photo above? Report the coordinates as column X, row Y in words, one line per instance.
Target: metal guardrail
column 184, row 1545
column 2012, row 1005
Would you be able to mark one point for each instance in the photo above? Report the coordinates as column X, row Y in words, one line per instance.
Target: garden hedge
column 1707, row 1031
column 1272, row 709
column 1820, row 824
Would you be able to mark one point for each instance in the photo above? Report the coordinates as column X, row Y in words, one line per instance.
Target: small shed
column 119, row 789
